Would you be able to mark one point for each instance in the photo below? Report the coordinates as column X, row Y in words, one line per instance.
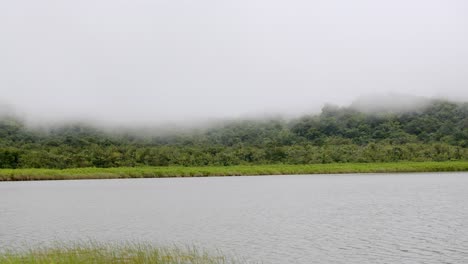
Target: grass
column 97, row 253
column 162, row 172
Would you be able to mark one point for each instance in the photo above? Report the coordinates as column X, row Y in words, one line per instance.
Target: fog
column 138, row 61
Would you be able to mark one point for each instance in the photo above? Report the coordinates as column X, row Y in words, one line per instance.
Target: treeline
column 438, row 132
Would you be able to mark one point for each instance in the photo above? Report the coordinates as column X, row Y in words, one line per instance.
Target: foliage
column 438, row 132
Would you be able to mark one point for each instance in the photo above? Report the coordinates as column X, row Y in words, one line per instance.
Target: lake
column 359, row 218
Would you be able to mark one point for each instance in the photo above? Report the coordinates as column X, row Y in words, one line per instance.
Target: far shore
column 244, row 170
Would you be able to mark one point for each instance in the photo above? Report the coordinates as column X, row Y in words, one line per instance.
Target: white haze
column 155, row 61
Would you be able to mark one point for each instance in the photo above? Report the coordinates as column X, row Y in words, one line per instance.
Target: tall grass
column 98, row 253
column 160, row 172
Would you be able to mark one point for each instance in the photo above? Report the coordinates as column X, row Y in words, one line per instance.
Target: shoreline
column 219, row 171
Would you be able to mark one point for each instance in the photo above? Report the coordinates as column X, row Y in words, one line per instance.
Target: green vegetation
column 161, row 172
column 437, row 132
column 109, row 253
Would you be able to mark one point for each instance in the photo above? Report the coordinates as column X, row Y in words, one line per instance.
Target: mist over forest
column 432, row 130
column 373, row 103
column 155, row 83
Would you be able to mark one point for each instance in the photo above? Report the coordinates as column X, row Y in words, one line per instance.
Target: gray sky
column 159, row 60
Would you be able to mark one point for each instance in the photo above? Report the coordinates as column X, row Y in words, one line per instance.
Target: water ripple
column 406, row 218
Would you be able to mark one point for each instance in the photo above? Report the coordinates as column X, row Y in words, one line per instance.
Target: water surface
column 360, row 218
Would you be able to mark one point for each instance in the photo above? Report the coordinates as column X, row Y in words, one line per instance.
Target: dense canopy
column 437, row 132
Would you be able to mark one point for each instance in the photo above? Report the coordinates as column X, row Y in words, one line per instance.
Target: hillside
column 437, row 131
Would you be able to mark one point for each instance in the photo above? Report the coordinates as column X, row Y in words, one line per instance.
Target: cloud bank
column 156, row 61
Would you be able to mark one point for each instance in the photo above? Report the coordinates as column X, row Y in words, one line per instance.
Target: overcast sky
column 159, row 60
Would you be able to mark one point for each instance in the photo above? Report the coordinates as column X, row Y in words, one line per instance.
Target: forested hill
column 437, row 132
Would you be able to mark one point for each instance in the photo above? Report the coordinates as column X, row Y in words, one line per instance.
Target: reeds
column 161, row 172
column 97, row 253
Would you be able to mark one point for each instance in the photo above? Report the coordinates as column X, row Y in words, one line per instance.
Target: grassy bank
column 161, row 172
column 106, row 253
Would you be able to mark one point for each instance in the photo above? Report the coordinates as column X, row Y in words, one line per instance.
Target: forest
column 436, row 132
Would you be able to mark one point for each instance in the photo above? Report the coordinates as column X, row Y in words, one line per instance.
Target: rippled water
column 385, row 218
